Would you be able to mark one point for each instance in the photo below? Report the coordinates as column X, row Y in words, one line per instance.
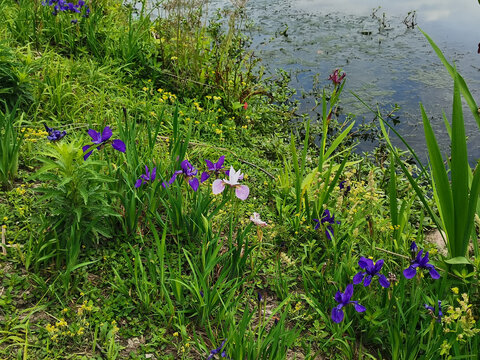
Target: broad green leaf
column 459, row 174
column 392, row 192
column 338, row 140
column 440, row 176
column 458, row 260
column 308, row 180
column 472, row 205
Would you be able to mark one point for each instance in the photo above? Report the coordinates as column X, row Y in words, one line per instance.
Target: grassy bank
column 162, row 199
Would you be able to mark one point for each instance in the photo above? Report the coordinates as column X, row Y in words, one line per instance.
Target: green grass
column 94, row 268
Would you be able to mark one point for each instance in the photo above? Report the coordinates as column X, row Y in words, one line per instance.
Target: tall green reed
column 10, row 143
column 308, row 201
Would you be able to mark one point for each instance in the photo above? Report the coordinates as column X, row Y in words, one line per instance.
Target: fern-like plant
column 76, row 202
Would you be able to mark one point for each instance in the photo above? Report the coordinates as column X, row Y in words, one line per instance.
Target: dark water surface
column 386, row 62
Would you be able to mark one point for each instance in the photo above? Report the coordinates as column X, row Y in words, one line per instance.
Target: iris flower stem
column 257, row 253
column 234, row 214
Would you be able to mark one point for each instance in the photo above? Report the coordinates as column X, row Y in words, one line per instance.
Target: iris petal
column 218, row 186
column 204, row 177
column 358, row 307
column 194, row 184
column 85, row 157
column 410, row 272
column 363, row 262
column 96, row 137
column 337, row 315
column 242, row 191
column 220, row 162
column 348, row 293
column 434, row 273
column 106, row 133
column 383, row 281
column 119, row 145
column 367, row 281
column 358, row 278
column 378, row 266
column 210, row 165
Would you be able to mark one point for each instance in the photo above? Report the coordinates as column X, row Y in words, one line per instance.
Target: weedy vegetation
column 161, row 199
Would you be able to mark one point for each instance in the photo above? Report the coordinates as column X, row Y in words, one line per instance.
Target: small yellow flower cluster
column 61, row 323
column 85, row 307
column 298, row 306
column 197, row 106
column 166, row 95
column 55, row 330
column 21, row 190
column 460, row 319
column 33, row 135
column 115, row 327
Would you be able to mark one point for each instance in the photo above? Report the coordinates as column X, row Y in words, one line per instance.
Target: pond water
column 386, row 62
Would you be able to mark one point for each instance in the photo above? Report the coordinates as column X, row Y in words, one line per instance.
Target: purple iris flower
column 188, row 172
column 432, row 311
column 343, row 299
column 371, row 269
column 422, row 263
column 329, row 219
column 217, row 350
column 62, row 5
column 413, row 248
column 212, row 168
column 54, row 135
column 101, row 139
column 148, row 176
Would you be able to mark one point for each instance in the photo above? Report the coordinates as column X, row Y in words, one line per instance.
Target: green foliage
column 172, row 273
column 15, row 90
column 10, row 142
column 457, row 198
column 75, row 199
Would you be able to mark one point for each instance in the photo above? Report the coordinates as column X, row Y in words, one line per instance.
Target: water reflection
column 386, row 62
